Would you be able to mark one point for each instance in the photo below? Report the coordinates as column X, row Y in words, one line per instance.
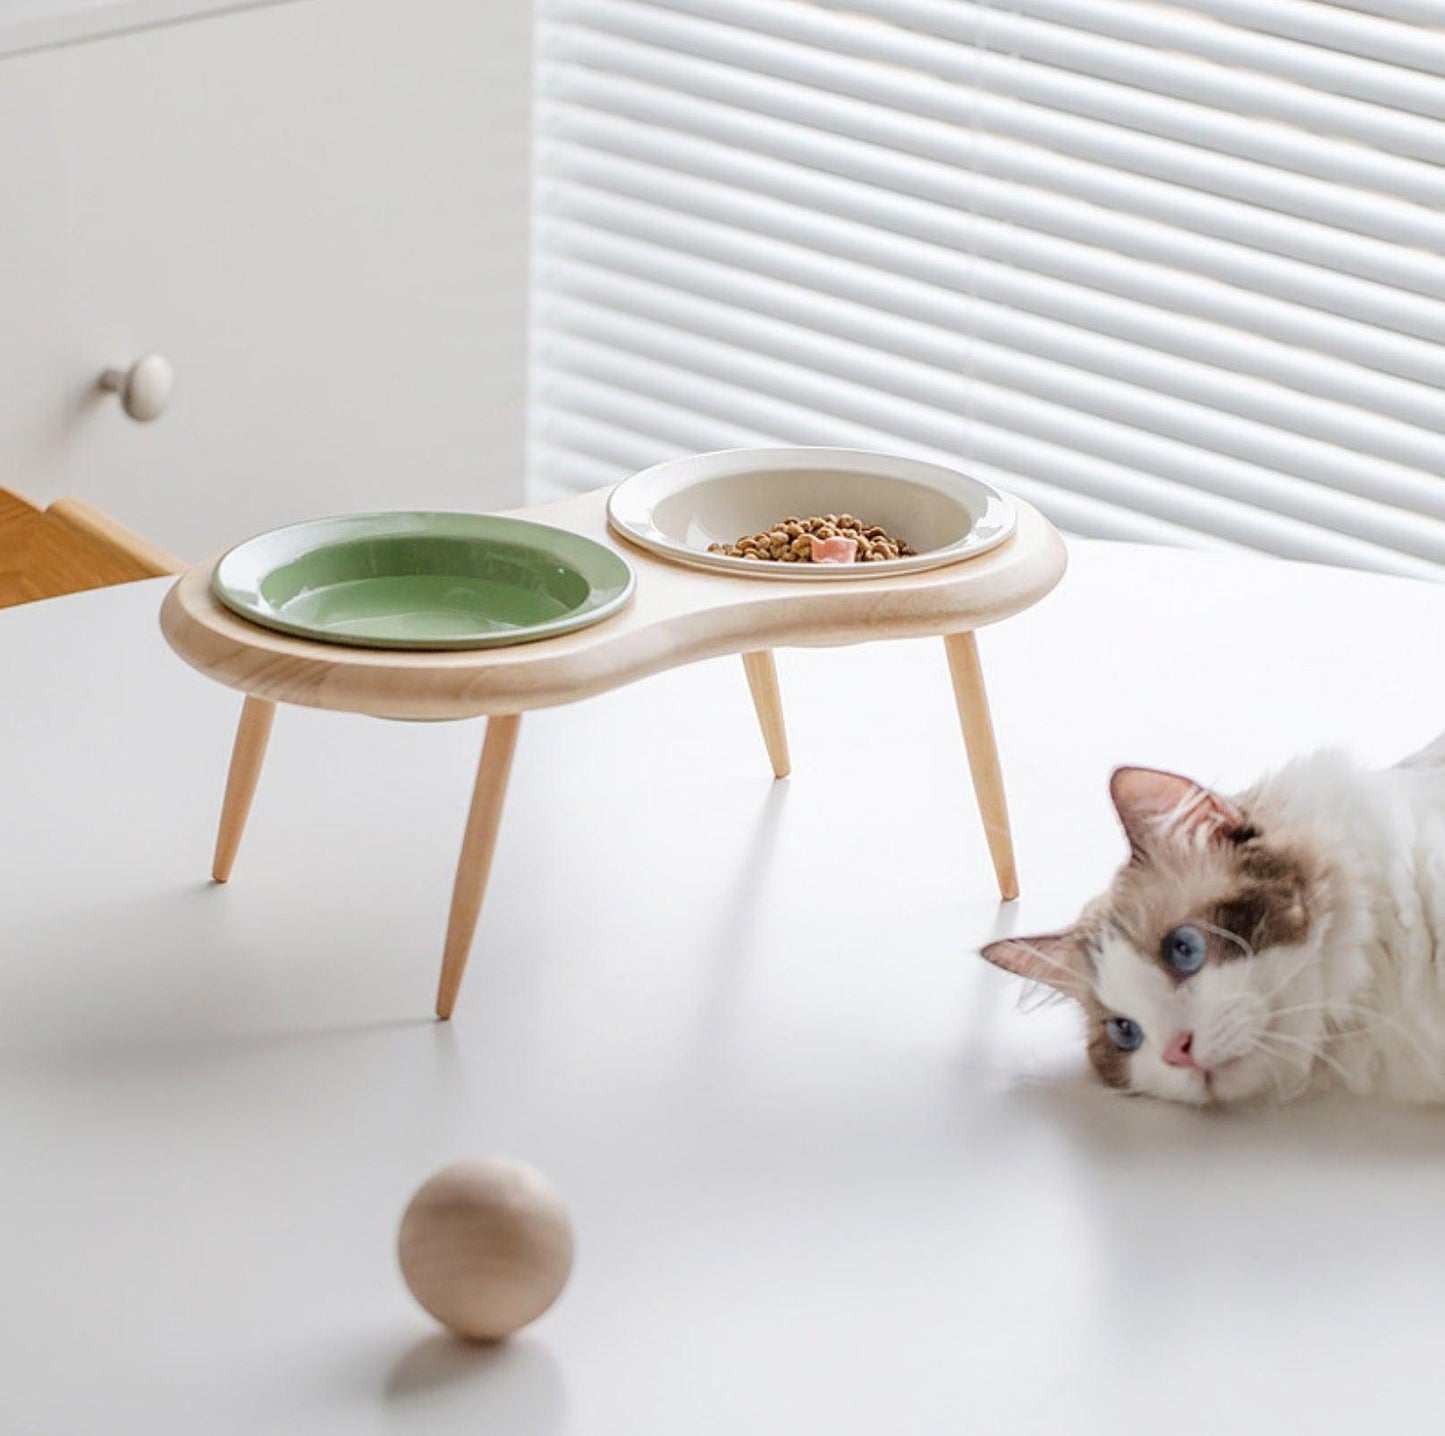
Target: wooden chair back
column 68, row 547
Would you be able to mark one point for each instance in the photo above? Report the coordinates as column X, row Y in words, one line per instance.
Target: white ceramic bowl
column 678, row 508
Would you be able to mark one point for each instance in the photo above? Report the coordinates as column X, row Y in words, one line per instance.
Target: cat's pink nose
column 1177, row 1053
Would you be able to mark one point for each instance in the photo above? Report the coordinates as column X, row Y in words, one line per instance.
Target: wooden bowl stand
column 678, row 615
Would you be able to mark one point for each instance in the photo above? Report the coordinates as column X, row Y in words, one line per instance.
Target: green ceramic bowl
column 423, row 580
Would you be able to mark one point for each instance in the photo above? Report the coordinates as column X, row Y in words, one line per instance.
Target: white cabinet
column 317, row 213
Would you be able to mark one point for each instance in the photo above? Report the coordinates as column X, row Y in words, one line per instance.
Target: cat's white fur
column 1359, row 1004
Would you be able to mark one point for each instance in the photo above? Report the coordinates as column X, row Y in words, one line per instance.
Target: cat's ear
column 1054, row 958
column 1159, row 807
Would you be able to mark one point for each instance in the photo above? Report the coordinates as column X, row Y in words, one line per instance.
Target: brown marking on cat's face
column 1244, row 895
column 1270, row 905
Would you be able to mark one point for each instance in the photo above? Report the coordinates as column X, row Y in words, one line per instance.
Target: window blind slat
column 575, row 430
column 1038, row 357
column 1411, row 12
column 1177, row 28
column 605, row 151
column 1040, row 179
column 1076, row 114
column 1029, row 461
column 823, row 371
column 1172, row 271
column 1409, row 46
column 951, row 182
column 1131, row 47
column 670, row 428
column 562, row 469
column 597, row 418
column 919, row 282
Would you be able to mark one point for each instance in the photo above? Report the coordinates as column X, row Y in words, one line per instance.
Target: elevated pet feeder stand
column 678, row 615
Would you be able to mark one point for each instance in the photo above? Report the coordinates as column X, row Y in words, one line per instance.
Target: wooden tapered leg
column 763, row 683
column 978, row 739
column 252, row 735
column 478, row 845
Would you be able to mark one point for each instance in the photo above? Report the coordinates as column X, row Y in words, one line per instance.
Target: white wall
column 31, row 24
column 317, row 212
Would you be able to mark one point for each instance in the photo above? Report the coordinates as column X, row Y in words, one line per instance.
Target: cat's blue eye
column 1183, row 950
column 1124, row 1033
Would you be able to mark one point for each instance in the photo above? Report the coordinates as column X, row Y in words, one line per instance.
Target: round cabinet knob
column 144, row 388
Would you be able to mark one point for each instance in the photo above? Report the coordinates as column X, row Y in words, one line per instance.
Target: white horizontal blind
column 1171, row 272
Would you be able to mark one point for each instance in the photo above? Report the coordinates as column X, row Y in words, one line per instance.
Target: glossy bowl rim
column 244, row 599
column 630, row 506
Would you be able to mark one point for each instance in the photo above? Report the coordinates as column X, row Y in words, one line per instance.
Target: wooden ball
column 486, row 1246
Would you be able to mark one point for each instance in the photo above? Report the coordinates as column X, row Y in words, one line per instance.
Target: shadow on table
column 1126, row 1132
column 167, row 980
column 513, row 1386
column 1117, row 1131
column 1268, row 1214
column 731, row 934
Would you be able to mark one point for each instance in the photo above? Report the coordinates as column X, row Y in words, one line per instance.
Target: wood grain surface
column 68, row 547
column 678, row 615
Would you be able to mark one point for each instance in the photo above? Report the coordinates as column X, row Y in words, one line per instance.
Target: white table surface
column 826, row 1177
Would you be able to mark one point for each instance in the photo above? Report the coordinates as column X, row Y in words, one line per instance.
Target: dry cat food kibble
column 795, row 540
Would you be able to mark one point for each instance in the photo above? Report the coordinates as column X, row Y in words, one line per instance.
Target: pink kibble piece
column 834, row 550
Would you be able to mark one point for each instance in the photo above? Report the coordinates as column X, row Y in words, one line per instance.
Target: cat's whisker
column 1244, row 946
column 1302, row 962
column 1298, row 1090
column 1038, row 995
column 1072, row 976
column 1274, row 1074
column 1315, row 1053
column 1372, row 1021
column 1259, row 1045
column 1303, row 1007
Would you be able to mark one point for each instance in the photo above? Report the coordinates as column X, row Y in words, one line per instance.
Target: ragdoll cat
column 1279, row 943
